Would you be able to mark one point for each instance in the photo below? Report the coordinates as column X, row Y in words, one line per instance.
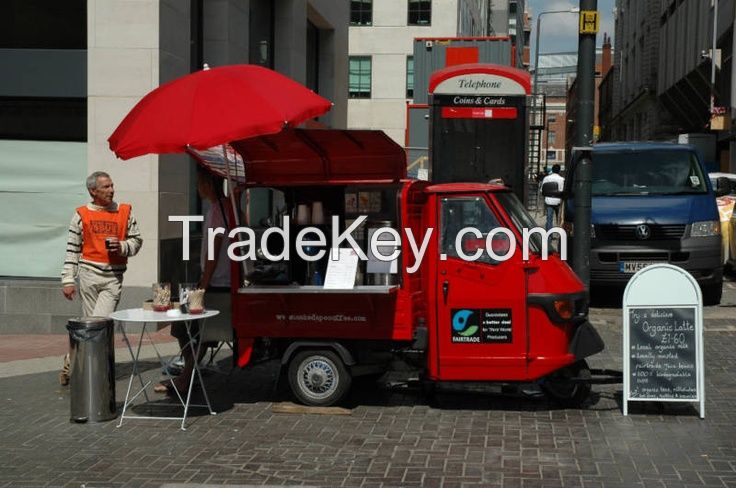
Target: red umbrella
column 212, row 107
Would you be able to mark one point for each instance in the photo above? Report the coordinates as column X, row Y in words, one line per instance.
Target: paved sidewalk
column 392, row 437
column 38, row 353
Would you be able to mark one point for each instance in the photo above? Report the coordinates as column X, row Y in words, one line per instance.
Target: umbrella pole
column 246, row 265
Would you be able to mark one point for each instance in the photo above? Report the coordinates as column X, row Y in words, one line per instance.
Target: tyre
column 712, row 294
column 318, row 378
column 561, row 390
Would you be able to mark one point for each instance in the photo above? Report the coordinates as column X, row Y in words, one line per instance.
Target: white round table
column 146, row 317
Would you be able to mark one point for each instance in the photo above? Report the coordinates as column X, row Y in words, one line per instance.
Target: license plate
column 630, row 267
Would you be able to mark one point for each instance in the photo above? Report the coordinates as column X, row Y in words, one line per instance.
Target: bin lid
column 89, row 323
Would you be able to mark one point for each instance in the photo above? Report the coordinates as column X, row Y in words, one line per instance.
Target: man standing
column 102, row 234
column 552, row 204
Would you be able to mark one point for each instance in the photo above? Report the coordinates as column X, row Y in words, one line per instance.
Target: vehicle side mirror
column 723, row 186
column 551, row 189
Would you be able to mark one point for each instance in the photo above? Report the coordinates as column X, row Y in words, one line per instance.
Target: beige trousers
column 100, row 293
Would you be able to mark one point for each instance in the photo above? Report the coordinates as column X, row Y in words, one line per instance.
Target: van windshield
column 659, row 172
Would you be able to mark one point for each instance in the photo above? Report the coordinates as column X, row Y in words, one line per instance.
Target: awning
column 310, row 156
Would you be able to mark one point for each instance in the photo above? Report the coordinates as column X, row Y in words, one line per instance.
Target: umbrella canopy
column 212, row 107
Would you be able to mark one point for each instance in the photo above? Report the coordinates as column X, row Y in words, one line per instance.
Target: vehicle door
column 481, row 304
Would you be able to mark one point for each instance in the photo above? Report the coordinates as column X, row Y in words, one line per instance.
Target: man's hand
column 69, row 291
column 113, row 246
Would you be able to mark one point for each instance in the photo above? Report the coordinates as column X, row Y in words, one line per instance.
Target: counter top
column 312, row 289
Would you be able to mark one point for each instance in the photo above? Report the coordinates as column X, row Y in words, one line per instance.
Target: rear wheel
column 318, row 378
column 561, row 388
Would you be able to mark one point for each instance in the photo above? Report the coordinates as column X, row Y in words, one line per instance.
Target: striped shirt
column 72, row 260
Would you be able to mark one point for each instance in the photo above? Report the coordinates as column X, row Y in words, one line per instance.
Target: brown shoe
column 65, row 369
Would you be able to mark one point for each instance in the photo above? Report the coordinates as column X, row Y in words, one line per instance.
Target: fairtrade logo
column 460, row 323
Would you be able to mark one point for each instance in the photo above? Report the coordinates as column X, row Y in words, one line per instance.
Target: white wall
column 135, row 45
column 122, row 66
column 389, row 41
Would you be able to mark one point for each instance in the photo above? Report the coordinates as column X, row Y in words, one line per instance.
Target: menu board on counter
column 663, row 337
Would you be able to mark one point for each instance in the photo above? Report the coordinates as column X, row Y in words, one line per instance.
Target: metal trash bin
column 92, row 382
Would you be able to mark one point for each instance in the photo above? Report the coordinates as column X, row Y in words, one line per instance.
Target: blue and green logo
column 465, row 326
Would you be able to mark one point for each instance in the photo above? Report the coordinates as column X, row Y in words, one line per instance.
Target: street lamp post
column 573, row 10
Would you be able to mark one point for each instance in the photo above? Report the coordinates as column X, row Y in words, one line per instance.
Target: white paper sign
column 341, row 273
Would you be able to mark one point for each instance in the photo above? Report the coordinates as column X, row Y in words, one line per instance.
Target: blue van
column 652, row 202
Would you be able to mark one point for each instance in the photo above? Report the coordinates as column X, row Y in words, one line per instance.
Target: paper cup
column 318, row 213
column 196, row 301
column 302, row 214
column 161, row 297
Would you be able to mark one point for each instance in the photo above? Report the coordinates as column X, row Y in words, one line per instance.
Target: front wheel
column 318, row 378
column 561, row 388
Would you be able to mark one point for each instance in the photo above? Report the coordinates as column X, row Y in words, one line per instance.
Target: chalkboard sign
column 662, row 356
column 662, row 343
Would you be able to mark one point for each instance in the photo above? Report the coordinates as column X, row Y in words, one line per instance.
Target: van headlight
column 706, row 228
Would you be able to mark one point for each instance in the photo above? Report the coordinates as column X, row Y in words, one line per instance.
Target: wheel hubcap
column 318, row 378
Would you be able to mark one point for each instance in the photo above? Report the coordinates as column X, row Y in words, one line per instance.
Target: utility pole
column 588, row 28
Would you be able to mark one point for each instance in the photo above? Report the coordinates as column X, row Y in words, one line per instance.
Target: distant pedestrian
column 552, row 204
column 102, row 235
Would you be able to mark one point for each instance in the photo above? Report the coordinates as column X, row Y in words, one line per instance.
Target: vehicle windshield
column 661, row 172
column 521, row 218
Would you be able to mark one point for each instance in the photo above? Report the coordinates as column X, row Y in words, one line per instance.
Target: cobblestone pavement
column 392, row 437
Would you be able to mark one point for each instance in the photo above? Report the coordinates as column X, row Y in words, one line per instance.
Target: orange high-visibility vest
column 99, row 224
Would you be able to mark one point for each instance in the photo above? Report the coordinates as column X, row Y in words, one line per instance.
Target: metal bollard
column 92, row 382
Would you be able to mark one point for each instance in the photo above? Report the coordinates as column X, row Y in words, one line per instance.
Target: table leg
column 199, row 372
column 133, row 373
column 130, row 349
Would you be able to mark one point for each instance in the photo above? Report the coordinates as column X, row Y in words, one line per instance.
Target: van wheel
column 567, row 393
column 712, row 294
column 318, row 378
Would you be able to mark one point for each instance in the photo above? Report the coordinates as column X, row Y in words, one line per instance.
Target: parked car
column 725, row 184
column 651, row 203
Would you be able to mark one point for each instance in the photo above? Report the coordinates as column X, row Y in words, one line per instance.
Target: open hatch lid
column 309, row 156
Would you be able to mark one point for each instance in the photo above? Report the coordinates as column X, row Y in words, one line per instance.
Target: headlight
column 705, row 229
column 564, row 308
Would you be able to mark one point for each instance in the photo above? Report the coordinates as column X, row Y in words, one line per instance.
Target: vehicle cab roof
column 641, row 146
column 465, row 188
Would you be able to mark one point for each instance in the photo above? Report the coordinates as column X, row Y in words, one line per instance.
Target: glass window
column 361, row 12
column 420, row 12
column 410, row 77
column 668, row 172
column 521, row 218
column 43, row 24
column 551, row 138
column 461, row 212
column 359, row 83
column 551, row 119
column 551, row 155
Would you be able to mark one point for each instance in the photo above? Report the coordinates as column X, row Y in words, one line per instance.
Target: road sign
column 589, row 21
